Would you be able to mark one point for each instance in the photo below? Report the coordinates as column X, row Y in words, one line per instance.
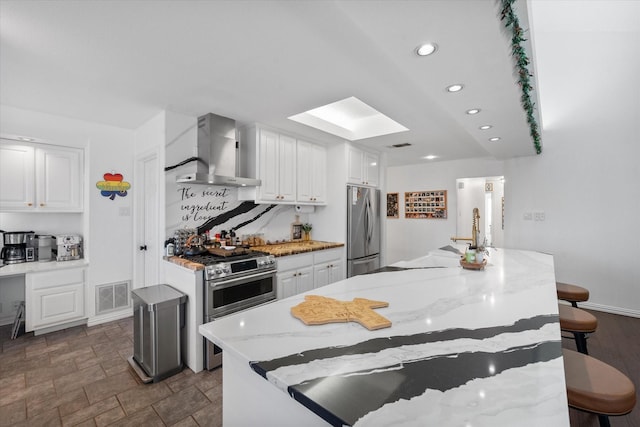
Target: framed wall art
column 425, row 204
column 393, row 205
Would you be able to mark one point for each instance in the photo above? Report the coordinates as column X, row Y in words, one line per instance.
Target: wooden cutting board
column 228, row 252
column 319, row 310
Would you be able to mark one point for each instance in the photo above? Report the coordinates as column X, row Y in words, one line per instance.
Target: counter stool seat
column 579, row 322
column 572, row 293
column 597, row 387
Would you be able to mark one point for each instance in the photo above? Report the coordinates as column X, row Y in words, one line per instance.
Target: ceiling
column 122, row 62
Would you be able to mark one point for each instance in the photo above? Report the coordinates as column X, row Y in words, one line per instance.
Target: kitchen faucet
column 475, row 230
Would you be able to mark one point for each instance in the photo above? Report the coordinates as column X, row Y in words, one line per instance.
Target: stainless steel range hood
column 218, row 154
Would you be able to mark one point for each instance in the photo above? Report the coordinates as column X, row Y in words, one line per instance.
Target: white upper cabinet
column 292, row 171
column 17, row 177
column 40, row 178
column 277, row 167
column 312, row 175
column 363, row 167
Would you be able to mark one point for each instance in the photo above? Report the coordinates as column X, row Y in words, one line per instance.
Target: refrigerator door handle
column 364, row 260
column 368, row 222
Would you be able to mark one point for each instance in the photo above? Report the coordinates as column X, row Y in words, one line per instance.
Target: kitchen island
column 465, row 347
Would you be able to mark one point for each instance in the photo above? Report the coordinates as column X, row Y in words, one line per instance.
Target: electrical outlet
column 538, row 216
column 527, row 216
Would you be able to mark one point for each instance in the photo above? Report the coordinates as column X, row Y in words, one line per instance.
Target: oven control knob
column 226, row 270
column 218, row 271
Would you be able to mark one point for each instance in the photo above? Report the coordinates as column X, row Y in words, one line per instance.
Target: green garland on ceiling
column 521, row 63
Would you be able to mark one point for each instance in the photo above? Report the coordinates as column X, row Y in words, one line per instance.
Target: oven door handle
column 224, row 283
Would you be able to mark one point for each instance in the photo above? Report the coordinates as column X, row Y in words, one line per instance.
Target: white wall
column 586, row 184
column 107, row 233
column 411, row 238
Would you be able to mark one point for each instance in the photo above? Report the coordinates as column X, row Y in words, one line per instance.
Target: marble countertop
column 465, row 347
column 37, row 267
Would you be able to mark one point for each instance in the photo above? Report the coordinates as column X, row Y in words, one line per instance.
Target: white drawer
column 327, row 254
column 290, row 262
column 55, row 278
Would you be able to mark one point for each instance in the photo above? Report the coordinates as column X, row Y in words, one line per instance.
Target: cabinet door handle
column 29, row 204
column 143, row 247
column 41, row 204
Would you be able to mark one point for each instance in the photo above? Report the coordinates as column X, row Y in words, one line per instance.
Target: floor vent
column 112, row 296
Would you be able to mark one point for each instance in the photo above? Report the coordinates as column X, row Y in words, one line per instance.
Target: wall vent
column 400, row 145
column 112, row 296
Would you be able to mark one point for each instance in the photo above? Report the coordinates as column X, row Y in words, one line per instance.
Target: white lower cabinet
column 327, row 273
column 293, row 282
column 328, row 266
column 305, row 272
column 295, row 274
column 54, row 298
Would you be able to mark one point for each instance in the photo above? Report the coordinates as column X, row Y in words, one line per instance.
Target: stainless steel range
column 234, row 282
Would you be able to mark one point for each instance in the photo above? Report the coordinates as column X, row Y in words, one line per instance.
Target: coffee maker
column 14, row 250
column 69, row 247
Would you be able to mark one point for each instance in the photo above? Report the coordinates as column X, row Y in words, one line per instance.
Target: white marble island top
column 466, row 348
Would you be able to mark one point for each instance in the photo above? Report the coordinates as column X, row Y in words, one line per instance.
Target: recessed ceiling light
column 426, row 49
column 485, row 127
column 430, row 157
column 494, row 139
column 455, row 88
column 473, row 111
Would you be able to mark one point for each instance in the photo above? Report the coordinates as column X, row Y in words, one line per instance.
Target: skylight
column 349, row 118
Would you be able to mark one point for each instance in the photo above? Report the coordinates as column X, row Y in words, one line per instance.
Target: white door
column 148, row 247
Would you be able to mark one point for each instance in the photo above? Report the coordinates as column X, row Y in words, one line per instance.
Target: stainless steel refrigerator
column 363, row 230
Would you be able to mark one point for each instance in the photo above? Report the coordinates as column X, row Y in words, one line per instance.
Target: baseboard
column 610, row 309
column 105, row 318
column 8, row 319
column 59, row 327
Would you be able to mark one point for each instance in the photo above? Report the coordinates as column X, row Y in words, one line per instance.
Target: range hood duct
column 218, row 154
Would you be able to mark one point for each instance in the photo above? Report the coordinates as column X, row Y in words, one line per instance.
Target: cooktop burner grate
column 209, row 259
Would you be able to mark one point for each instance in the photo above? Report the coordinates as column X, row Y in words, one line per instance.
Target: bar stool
column 593, row 386
column 571, row 293
column 579, row 322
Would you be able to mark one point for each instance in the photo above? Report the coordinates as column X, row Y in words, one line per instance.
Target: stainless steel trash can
column 158, row 323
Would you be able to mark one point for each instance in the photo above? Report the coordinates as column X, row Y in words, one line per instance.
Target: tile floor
column 80, row 376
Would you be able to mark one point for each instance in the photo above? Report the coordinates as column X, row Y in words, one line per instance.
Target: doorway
column 148, row 248
column 486, row 194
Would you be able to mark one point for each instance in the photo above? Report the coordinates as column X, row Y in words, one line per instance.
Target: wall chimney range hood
column 218, row 154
